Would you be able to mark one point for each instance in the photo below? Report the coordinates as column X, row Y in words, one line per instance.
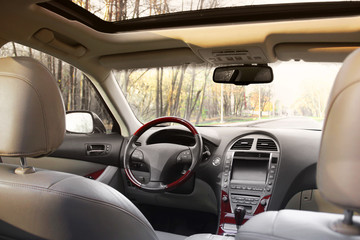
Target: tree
column 14, row 49
column 177, row 96
column 159, row 100
column 206, row 75
column 191, row 102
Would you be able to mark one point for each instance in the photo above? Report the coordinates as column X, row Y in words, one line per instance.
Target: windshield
column 299, row 89
column 119, row 10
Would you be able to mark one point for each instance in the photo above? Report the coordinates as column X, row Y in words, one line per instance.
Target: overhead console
column 248, row 179
column 245, row 55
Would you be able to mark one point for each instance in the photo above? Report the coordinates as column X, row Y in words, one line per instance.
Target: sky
column 291, row 78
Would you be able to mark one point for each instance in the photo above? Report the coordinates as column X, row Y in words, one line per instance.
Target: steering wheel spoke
column 154, row 185
column 161, row 157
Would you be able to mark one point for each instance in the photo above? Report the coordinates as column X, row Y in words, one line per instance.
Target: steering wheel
column 160, row 157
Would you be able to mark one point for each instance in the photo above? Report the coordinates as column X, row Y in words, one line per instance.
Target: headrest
column 32, row 115
column 338, row 170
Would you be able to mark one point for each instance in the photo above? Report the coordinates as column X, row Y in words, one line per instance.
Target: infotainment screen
column 249, row 170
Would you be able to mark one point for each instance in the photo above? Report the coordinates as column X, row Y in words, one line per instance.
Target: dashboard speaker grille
column 243, row 144
column 266, row 144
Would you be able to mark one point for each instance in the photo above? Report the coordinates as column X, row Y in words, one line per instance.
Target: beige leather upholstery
column 55, row 205
column 49, row 204
column 338, row 170
column 204, row 236
column 292, row 225
column 32, row 113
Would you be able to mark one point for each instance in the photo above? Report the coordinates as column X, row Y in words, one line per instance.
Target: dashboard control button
column 225, row 186
column 268, row 189
column 270, row 183
column 184, row 157
column 273, row 166
column 232, row 186
column 137, row 155
column 216, row 161
column 272, row 171
column 225, row 198
column 225, row 180
column 263, row 202
column 271, row 176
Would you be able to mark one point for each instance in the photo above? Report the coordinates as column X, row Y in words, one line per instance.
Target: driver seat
column 41, row 204
column 338, row 169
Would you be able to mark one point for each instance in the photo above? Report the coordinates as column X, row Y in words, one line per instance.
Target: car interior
column 86, row 153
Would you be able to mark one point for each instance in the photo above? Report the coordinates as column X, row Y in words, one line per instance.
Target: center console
column 249, row 176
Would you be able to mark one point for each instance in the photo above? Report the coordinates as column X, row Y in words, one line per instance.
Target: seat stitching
column 53, row 184
column 273, row 225
column 264, row 236
column 75, row 196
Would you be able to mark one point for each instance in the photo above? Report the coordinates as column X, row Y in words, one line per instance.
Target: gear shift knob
column 239, row 215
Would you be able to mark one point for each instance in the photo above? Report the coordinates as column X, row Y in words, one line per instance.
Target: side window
column 77, row 90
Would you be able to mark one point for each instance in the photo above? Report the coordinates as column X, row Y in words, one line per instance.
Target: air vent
column 243, row 144
column 266, row 144
column 251, row 156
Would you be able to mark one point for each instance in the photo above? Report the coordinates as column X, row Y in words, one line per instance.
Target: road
column 284, row 122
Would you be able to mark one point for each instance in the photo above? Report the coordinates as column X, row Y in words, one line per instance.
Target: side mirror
column 84, row 122
column 243, row 75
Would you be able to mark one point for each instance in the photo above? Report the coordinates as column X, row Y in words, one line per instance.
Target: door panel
column 96, row 156
column 95, row 148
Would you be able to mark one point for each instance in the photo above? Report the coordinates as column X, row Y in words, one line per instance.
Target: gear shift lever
column 239, row 215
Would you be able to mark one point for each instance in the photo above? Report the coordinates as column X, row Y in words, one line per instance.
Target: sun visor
column 315, row 52
column 148, row 59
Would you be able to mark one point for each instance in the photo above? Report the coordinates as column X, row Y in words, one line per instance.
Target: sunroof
column 119, row 10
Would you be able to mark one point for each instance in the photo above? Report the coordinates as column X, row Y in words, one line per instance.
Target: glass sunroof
column 118, row 10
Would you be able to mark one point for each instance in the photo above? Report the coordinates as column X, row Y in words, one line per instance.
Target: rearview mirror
column 243, row 75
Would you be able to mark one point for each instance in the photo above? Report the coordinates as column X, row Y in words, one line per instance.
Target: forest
column 186, row 91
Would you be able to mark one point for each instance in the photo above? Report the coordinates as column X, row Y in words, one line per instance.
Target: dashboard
column 258, row 168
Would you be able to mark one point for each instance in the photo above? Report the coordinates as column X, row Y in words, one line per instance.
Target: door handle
column 97, row 149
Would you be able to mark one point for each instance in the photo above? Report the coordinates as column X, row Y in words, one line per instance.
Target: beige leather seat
column 338, row 169
column 48, row 204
